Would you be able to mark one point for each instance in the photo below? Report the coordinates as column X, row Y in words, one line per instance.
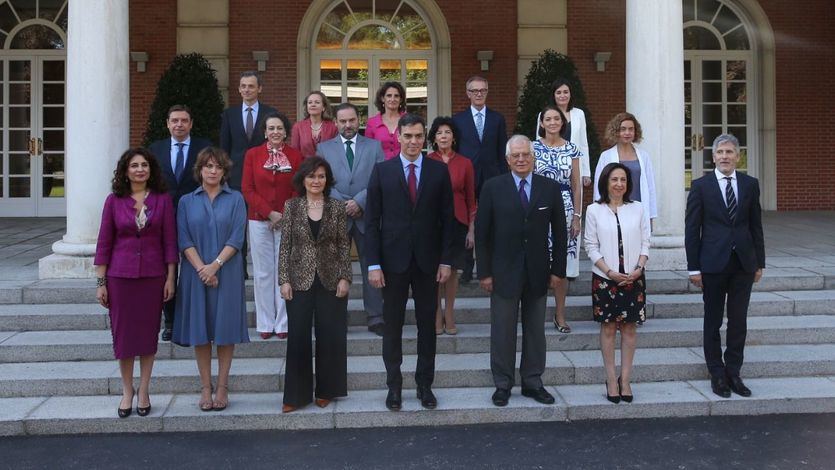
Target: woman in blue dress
column 558, row 159
column 211, row 307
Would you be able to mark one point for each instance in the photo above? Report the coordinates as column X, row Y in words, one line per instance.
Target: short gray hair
column 517, row 138
column 724, row 138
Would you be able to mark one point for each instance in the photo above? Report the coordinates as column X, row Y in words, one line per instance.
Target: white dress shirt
column 174, row 149
column 254, row 107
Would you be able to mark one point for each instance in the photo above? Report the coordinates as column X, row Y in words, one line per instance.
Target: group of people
column 175, row 231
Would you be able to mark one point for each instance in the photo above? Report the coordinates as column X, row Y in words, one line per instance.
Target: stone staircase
column 57, row 373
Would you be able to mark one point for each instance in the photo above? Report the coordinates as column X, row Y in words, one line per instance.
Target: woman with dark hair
column 211, row 307
column 444, row 135
column 391, row 104
column 623, row 132
column 317, row 125
column 267, row 184
column 575, row 123
column 617, row 242
column 559, row 159
column 137, row 220
column 315, row 275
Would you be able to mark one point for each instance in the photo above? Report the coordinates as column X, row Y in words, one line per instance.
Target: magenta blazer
column 133, row 253
column 375, row 129
column 301, row 138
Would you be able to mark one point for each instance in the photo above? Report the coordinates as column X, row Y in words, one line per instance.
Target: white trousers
column 270, row 310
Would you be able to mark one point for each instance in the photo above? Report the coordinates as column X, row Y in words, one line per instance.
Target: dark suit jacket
column 162, row 151
column 396, row 231
column 301, row 256
column 233, row 138
column 488, row 154
column 511, row 243
column 709, row 234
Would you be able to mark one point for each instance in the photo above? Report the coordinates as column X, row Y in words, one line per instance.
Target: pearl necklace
column 315, row 204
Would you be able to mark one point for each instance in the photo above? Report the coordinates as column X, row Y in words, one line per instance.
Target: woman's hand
column 168, row 290
column 287, row 291
column 207, row 271
column 575, row 226
column 634, row 275
column 342, row 288
column 586, row 181
column 275, row 220
column 620, row 278
column 101, row 296
column 469, row 242
column 212, row 282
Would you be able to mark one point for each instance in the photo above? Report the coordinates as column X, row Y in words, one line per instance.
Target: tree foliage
column 189, row 80
column 536, row 93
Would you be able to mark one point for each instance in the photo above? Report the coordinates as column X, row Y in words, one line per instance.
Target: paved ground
column 792, row 239
column 762, row 442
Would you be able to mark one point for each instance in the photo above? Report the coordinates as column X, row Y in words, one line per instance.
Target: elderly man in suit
column 408, row 231
column 723, row 237
column 482, row 138
column 352, row 157
column 515, row 213
column 176, row 156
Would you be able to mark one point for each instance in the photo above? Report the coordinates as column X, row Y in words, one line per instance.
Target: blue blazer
column 233, row 138
column 487, row 154
column 162, row 151
column 709, row 234
column 396, row 231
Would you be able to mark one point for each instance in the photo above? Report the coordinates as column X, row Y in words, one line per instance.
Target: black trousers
column 321, row 309
column 731, row 288
column 504, row 319
column 395, row 294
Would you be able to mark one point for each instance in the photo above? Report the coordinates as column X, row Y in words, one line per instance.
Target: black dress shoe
column 166, row 334
column 501, row 396
column 720, row 387
column 541, row 395
column 612, row 398
column 427, row 398
column 143, row 411
column 625, row 398
column 394, row 400
column 736, row 386
column 376, row 329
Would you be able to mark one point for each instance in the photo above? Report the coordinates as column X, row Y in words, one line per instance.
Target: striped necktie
column 730, row 198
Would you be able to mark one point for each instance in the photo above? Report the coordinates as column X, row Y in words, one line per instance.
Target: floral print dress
column 613, row 303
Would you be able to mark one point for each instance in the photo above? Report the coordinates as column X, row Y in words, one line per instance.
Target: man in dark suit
column 351, row 175
column 723, row 237
column 515, row 213
column 482, row 136
column 176, row 156
column 408, row 232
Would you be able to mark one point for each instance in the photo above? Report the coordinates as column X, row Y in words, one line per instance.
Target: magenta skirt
column 135, row 313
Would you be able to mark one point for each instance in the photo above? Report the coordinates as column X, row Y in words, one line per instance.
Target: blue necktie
column 479, row 125
column 523, row 196
column 181, row 161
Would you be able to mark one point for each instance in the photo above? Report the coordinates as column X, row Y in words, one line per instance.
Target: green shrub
column 190, row 80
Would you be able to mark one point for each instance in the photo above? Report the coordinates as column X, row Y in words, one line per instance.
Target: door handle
column 40, row 146
column 700, row 142
column 33, row 147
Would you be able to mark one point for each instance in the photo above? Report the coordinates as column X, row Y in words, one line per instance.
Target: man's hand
column 696, row 279
column 443, row 274
column 486, row 284
column 376, row 279
column 758, row 275
column 353, row 209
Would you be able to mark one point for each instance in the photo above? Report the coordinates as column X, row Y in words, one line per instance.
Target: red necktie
column 412, row 183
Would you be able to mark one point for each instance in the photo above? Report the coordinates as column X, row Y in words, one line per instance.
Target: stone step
column 96, row 345
column 86, row 316
column 74, row 291
column 456, row 406
column 452, row 370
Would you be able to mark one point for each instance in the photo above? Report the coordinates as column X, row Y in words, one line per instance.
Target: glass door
column 32, row 138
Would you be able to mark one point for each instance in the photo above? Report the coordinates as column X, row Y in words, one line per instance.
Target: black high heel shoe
column 143, row 411
column 612, row 398
column 125, row 412
column 625, row 398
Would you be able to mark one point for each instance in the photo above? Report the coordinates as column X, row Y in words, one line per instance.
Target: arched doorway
column 33, row 35
column 725, row 88
column 348, row 48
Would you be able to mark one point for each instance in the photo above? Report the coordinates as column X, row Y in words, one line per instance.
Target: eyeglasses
column 520, row 156
column 480, row 91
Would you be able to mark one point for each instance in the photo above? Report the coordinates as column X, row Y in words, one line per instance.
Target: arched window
column 718, row 64
column 360, row 44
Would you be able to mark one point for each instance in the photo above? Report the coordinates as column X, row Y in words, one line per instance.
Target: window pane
column 710, row 134
column 20, row 116
column 53, row 70
column 735, row 70
column 373, row 37
column 689, row 10
column 48, row 9
column 329, row 38
column 712, row 70
column 417, row 70
column 712, row 92
column 706, row 9
column 19, row 187
column 698, row 38
column 20, row 93
column 688, row 92
column 688, row 138
column 7, row 18
column 19, row 164
column 707, row 158
column 20, row 70
column 737, row 40
column 19, row 141
column 740, row 133
column 358, row 70
column 53, row 93
column 390, row 71
column 687, row 70
column 688, row 114
column 743, row 160
column 53, row 140
column 712, row 114
column 37, row 37
column 53, row 186
column 25, row 9
column 736, row 93
column 726, row 20
column 330, row 70
column 53, row 116
column 736, row 114
column 53, row 164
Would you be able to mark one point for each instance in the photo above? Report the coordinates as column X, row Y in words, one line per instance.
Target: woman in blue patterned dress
column 558, row 159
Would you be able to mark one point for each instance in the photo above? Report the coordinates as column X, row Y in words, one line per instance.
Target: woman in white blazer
column 624, row 131
column 575, row 123
column 617, row 242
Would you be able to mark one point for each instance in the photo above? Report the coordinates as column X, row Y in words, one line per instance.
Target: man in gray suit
column 352, row 157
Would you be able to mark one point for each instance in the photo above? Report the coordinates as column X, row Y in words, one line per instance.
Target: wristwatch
column 219, row 262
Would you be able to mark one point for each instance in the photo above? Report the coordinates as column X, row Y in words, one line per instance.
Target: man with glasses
column 482, row 139
column 514, row 216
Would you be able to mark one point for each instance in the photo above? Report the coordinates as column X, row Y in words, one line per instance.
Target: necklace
column 315, row 127
column 315, row 204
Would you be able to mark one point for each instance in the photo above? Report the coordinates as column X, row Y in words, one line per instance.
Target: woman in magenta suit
column 317, row 125
column 391, row 103
column 267, row 184
column 137, row 224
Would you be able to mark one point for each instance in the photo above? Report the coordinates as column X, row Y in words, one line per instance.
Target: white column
column 98, row 127
column 655, row 95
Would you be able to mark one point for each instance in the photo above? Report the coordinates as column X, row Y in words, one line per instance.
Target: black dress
column 613, row 303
